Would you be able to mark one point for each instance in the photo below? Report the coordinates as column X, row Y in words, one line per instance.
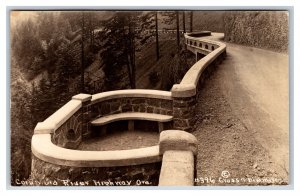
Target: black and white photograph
column 149, row 97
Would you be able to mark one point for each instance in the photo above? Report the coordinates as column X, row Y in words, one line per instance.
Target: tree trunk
column 82, row 53
column 177, row 29
column 91, row 29
column 133, row 86
column 131, row 52
column 183, row 21
column 156, row 35
column 128, row 54
column 133, row 63
column 191, row 22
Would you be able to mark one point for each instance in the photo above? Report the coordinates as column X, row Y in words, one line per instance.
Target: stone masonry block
column 184, row 102
column 153, row 102
column 115, row 106
column 185, row 98
column 156, row 110
column 167, row 104
column 142, row 108
column 163, row 112
column 127, row 108
column 125, row 101
column 150, row 109
column 135, row 108
column 105, row 108
column 86, row 117
column 180, row 104
column 184, row 112
column 169, row 112
column 138, row 101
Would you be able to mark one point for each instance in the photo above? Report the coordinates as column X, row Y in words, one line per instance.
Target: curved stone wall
column 54, row 165
column 54, row 149
column 44, row 149
column 185, row 94
column 49, row 174
column 145, row 101
column 55, row 140
column 134, row 100
column 65, row 125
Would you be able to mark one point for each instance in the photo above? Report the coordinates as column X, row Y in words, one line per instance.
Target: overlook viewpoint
column 149, row 98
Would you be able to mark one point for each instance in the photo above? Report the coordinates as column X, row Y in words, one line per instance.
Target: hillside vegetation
column 262, row 29
column 202, row 20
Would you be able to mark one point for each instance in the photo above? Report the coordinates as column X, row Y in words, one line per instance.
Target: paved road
column 255, row 83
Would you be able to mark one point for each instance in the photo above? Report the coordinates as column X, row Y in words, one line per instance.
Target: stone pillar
column 86, row 113
column 184, row 107
column 179, row 150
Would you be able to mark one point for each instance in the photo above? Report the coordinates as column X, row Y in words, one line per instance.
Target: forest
column 58, row 54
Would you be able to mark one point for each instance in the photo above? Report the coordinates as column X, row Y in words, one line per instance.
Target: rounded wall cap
column 42, row 128
column 141, row 93
column 82, row 97
column 44, row 149
column 183, row 90
column 177, row 140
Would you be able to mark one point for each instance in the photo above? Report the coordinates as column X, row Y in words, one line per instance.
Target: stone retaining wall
column 57, row 166
column 122, row 101
column 68, row 135
column 71, row 123
column 208, row 71
column 47, row 174
column 132, row 104
column 184, row 95
column 184, row 113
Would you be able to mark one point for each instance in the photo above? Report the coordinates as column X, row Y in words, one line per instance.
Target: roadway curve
column 245, row 107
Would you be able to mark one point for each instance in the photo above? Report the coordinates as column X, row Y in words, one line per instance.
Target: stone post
column 86, row 113
column 184, row 106
column 179, row 150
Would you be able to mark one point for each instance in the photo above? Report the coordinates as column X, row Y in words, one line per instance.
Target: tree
column 82, row 52
column 156, row 36
column 191, row 21
column 46, row 61
column 177, row 30
column 183, row 21
column 169, row 18
column 149, row 20
column 27, row 48
column 121, row 36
